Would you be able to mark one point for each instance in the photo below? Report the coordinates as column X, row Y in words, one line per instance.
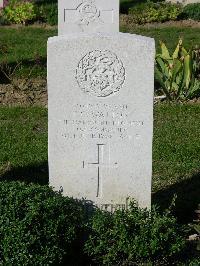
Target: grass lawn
column 176, row 149
column 170, row 35
column 23, row 146
column 27, row 45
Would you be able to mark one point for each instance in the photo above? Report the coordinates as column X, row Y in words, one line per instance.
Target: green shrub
column 50, row 12
column 19, row 12
column 3, row 20
column 177, row 73
column 154, row 12
column 47, row 13
column 126, row 4
column 133, row 237
column 37, row 225
column 191, row 11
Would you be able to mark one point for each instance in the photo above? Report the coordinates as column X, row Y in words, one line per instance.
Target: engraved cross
column 100, row 164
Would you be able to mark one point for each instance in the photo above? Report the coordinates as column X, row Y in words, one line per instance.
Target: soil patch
column 21, row 92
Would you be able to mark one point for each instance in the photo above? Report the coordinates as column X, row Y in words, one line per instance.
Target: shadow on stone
column 188, row 198
column 37, row 173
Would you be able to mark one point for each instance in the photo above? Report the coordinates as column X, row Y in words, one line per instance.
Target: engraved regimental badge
column 88, row 12
column 100, row 73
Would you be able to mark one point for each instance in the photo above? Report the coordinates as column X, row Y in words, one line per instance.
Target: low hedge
column 134, row 237
column 154, row 12
column 47, row 13
column 37, row 225
column 20, row 11
column 191, row 11
column 41, row 227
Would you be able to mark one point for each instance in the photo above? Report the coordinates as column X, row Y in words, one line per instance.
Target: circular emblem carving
column 100, row 73
column 88, row 12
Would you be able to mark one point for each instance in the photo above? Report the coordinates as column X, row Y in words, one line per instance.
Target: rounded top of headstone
column 100, row 73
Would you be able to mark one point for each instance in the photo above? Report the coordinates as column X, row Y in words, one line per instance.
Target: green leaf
column 177, row 67
column 183, row 52
column 163, row 66
column 159, row 78
column 187, row 70
column 177, row 50
column 165, row 52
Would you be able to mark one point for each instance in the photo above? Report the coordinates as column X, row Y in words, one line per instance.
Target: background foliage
column 19, row 12
column 140, row 12
column 154, row 12
column 191, row 11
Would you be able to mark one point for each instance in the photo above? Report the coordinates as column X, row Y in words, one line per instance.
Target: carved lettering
column 100, row 121
column 114, row 207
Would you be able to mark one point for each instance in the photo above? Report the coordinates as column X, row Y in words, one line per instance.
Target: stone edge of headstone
column 150, row 41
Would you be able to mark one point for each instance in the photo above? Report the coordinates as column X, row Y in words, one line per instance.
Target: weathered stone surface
column 100, row 97
column 88, row 16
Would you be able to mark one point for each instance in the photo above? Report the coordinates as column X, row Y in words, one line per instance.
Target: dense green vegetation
column 178, row 73
column 41, row 227
column 154, row 12
column 38, row 226
column 191, row 11
column 136, row 237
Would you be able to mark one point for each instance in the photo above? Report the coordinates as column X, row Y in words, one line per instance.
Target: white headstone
column 76, row 16
column 100, row 91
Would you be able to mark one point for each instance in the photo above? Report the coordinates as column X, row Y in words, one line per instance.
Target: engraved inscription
column 100, row 73
column 101, row 122
column 114, row 207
